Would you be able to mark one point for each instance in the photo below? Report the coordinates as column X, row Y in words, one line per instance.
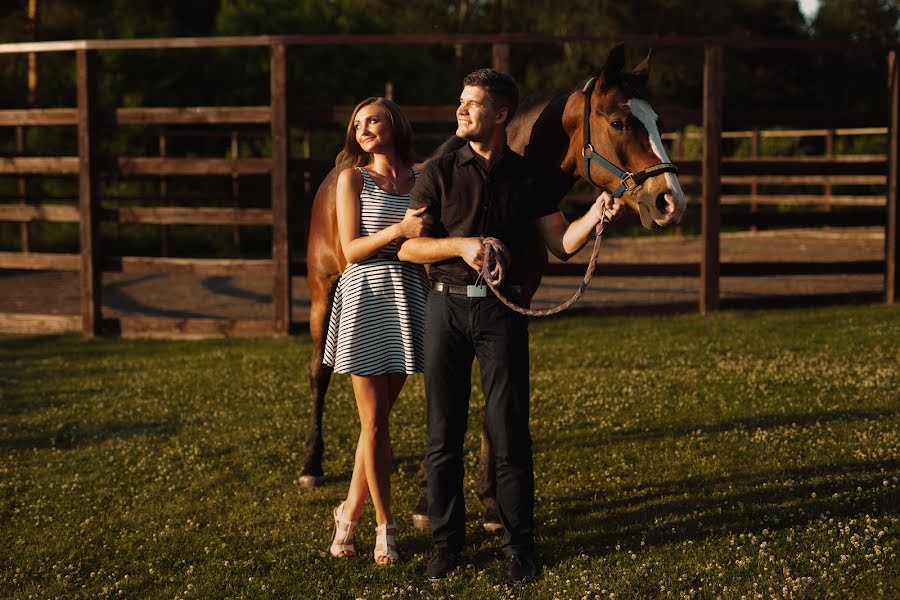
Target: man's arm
column 565, row 239
column 427, row 250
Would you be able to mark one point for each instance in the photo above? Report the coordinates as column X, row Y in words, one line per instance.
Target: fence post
column 754, row 186
column 500, row 57
column 308, row 191
column 236, row 194
column 712, row 165
column 23, row 190
column 829, row 153
column 281, row 255
column 91, row 283
column 163, row 197
column 891, row 253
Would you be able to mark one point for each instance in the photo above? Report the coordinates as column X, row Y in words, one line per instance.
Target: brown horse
column 550, row 129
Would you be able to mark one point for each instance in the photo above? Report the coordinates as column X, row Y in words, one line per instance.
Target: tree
column 855, row 81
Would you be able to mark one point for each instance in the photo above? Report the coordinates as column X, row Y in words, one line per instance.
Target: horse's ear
column 643, row 69
column 615, row 62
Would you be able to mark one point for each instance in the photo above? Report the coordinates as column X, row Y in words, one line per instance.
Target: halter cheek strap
column 627, row 181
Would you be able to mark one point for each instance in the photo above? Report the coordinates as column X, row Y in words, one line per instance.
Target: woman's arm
column 356, row 247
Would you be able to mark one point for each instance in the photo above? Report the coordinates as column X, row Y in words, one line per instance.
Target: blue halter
column 627, row 181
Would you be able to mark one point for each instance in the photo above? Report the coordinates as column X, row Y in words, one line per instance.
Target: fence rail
column 712, row 171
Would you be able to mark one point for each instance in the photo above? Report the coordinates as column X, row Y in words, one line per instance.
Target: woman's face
column 373, row 129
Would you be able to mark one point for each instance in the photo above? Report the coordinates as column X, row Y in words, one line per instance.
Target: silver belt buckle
column 476, row 291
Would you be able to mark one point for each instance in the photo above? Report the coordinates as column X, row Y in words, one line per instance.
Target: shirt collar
column 465, row 155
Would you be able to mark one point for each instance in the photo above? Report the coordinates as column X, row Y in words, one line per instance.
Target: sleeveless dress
column 377, row 322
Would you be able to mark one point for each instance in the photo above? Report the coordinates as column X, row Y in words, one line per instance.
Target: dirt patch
column 241, row 297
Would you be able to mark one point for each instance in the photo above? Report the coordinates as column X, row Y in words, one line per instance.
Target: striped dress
column 377, row 322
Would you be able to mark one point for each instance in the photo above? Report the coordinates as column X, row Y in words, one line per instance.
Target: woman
column 377, row 322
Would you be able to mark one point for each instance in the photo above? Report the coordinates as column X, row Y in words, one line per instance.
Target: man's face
column 477, row 118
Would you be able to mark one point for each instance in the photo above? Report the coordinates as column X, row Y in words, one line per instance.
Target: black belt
column 470, row 291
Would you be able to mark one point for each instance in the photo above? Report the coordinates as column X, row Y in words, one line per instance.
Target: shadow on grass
column 15, row 404
column 67, row 437
column 755, row 422
column 660, row 514
column 22, row 343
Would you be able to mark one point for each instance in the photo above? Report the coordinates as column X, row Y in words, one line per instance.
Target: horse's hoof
column 491, row 519
column 421, row 521
column 311, row 481
column 493, row 528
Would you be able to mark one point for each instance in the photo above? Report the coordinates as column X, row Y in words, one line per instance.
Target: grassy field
column 740, row 455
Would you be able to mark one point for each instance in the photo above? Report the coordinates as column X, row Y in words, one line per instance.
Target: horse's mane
column 542, row 99
column 628, row 81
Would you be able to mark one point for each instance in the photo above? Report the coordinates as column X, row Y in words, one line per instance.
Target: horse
column 604, row 131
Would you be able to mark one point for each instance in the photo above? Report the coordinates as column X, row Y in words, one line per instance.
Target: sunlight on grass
column 743, row 454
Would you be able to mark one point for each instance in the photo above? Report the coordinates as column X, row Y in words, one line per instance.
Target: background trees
column 760, row 79
column 420, row 75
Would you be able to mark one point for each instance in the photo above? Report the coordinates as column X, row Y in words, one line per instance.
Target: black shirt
column 467, row 200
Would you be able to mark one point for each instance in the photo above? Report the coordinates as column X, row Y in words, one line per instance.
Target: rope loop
column 497, row 259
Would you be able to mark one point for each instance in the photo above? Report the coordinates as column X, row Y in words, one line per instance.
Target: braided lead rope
column 495, row 251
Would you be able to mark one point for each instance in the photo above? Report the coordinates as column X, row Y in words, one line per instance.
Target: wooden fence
column 712, row 171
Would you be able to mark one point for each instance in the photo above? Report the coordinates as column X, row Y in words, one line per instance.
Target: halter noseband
column 628, row 181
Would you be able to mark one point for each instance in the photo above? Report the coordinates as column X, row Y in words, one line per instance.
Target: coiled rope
column 496, row 259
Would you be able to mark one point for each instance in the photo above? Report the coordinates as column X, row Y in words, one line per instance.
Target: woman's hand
column 415, row 223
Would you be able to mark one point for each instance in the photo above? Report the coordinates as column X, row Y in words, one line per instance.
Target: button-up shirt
column 466, row 199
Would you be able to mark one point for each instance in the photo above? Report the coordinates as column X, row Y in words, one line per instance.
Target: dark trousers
column 457, row 330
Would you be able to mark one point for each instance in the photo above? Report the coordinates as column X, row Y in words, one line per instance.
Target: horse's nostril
column 662, row 205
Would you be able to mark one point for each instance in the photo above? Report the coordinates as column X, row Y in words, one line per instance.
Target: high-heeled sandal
column 386, row 544
column 342, row 541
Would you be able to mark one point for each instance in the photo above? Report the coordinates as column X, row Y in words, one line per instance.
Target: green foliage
column 861, row 144
column 858, row 20
column 738, row 454
column 855, row 21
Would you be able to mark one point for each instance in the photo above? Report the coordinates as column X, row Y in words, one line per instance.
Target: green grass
column 744, row 454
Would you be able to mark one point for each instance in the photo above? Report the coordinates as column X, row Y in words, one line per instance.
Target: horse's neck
column 544, row 131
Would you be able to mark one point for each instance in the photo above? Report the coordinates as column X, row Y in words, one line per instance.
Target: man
column 483, row 189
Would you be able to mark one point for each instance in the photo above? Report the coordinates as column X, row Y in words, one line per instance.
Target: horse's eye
column 618, row 125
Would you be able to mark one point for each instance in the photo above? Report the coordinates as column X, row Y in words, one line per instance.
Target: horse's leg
column 420, row 512
column 486, row 484
column 321, row 290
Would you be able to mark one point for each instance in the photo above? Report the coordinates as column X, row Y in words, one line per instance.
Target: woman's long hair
column 354, row 156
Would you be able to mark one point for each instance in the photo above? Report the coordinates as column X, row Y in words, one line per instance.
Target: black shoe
column 521, row 568
column 441, row 564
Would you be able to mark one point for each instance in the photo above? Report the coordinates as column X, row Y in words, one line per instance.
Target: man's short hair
column 501, row 88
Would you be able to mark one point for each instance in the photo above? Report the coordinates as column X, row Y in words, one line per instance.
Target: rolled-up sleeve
column 427, row 192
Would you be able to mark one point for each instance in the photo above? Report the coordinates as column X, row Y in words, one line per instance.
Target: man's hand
column 471, row 250
column 609, row 207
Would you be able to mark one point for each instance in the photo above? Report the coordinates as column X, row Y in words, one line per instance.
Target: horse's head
column 622, row 130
